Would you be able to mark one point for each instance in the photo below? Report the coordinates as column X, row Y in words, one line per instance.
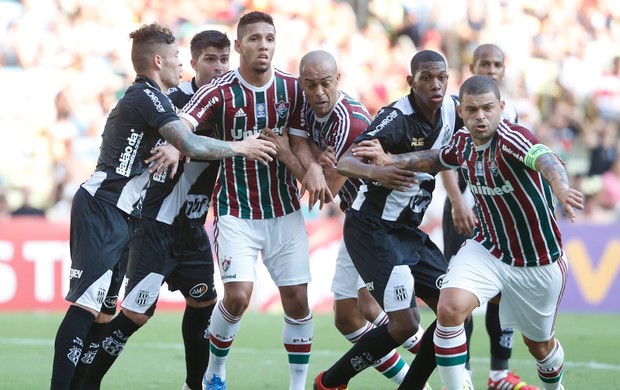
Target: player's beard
column 261, row 69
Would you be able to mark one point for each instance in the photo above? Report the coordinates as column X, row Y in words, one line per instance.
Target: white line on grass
column 242, row 350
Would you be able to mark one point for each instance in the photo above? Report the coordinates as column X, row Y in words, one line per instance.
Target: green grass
column 153, row 358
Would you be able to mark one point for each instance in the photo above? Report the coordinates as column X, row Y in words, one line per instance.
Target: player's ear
column 411, row 81
column 458, row 110
column 238, row 46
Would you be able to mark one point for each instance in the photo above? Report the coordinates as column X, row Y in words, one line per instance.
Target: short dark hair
column 479, row 85
column 208, row 38
column 147, row 41
column 425, row 56
column 251, row 18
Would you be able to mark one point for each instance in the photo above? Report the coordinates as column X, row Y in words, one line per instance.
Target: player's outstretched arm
column 388, row 176
column 550, row 166
column 421, row 161
column 178, row 134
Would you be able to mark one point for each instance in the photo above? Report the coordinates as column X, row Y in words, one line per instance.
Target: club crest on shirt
column 282, row 108
column 493, row 167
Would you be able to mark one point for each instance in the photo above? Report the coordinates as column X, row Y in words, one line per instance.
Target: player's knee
column 450, row 313
column 236, row 301
column 540, row 350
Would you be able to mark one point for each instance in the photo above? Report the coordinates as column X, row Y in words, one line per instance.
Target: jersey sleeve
column 203, row 106
column 297, row 120
column 349, row 134
column 387, row 128
column 450, row 155
column 518, row 143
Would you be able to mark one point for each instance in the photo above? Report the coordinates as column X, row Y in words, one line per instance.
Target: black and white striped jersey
column 401, row 128
column 130, row 132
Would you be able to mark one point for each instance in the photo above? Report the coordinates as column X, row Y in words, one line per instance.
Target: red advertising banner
column 35, row 261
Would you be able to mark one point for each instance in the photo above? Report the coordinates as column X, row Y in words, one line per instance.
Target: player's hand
column 393, row 177
column 314, row 182
column 373, row 152
column 464, row 218
column 162, row 157
column 281, row 142
column 570, row 200
column 328, row 158
column 257, row 149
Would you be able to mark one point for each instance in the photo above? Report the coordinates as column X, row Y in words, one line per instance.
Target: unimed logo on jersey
column 128, row 156
column 479, row 189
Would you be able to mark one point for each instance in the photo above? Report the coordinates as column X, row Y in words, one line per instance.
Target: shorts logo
column 110, row 302
column 100, row 296
column 226, row 263
column 440, row 281
column 282, row 108
column 400, row 293
column 198, row 290
column 142, row 298
column 370, row 286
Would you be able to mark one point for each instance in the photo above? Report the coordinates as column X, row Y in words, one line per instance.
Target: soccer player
column 106, row 206
column 458, row 224
column 516, row 249
column 334, row 119
column 381, row 230
column 257, row 207
column 172, row 243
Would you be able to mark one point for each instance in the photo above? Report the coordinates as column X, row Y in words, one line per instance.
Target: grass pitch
column 153, row 358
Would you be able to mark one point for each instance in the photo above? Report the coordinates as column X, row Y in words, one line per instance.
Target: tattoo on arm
column 423, row 161
column 552, row 169
column 194, row 146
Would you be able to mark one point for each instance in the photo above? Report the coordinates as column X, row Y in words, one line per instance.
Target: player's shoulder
column 284, row 74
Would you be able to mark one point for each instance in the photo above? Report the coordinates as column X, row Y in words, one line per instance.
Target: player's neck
column 254, row 78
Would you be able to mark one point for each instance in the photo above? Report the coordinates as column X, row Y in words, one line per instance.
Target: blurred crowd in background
column 65, row 63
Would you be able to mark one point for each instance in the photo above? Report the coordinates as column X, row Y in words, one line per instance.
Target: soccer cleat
column 318, row 384
column 215, row 383
column 185, row 387
column 510, row 382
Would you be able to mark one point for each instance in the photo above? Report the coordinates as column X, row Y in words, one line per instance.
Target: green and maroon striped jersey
column 248, row 189
column 348, row 119
column 514, row 203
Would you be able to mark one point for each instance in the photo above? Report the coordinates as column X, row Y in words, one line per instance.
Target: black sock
column 68, row 345
column 469, row 329
column 91, row 346
column 195, row 328
column 500, row 339
column 424, row 363
column 371, row 347
column 113, row 341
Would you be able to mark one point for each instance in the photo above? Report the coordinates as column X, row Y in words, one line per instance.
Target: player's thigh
column 237, row 245
column 150, row 261
column 346, row 281
column 530, row 299
column 99, row 234
column 193, row 274
column 475, row 270
column 286, row 253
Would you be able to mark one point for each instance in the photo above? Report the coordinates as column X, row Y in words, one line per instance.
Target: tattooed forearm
column 194, row 146
column 550, row 166
column 422, row 161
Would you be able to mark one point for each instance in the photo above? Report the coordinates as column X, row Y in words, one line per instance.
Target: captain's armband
column 535, row 151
